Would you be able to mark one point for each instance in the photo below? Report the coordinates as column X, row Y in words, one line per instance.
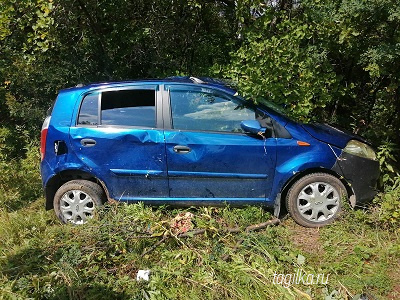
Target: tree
column 46, row 46
column 336, row 61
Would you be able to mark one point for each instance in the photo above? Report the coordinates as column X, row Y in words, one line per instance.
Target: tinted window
column 128, row 108
column 89, row 110
column 199, row 110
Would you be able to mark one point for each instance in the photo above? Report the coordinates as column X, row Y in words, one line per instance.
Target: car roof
column 211, row 82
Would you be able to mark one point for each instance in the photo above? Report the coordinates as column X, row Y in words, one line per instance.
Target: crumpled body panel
column 131, row 161
column 220, row 165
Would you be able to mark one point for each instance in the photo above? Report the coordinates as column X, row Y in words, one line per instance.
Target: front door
column 209, row 157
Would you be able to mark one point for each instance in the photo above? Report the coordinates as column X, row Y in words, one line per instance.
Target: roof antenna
column 196, row 80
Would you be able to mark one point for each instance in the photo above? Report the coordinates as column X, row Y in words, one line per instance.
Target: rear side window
column 88, row 114
column 129, row 108
column 119, row 108
column 50, row 110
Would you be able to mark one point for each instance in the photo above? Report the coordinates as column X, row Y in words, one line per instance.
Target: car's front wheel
column 76, row 201
column 315, row 200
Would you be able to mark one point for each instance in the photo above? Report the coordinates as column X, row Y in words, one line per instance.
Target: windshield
column 279, row 109
column 270, row 106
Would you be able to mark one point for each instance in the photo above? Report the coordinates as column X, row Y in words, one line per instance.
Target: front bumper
column 361, row 174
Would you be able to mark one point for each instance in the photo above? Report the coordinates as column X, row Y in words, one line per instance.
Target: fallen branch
column 191, row 233
column 164, row 238
column 194, row 232
column 254, row 227
column 227, row 256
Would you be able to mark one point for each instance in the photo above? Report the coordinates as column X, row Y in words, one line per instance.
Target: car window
column 89, row 110
column 50, row 109
column 207, row 110
column 128, row 108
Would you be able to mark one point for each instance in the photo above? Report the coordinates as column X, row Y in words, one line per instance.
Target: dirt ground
column 307, row 239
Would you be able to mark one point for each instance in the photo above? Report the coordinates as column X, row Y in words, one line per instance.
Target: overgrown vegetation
column 333, row 61
column 42, row 259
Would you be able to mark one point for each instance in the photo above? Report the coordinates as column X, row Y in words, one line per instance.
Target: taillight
column 43, row 136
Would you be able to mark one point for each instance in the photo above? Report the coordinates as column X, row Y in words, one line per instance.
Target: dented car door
column 210, row 159
column 118, row 136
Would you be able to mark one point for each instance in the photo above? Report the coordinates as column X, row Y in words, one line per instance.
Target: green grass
column 39, row 258
column 42, row 259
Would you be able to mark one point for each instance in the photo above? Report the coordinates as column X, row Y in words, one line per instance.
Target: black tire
column 77, row 200
column 310, row 201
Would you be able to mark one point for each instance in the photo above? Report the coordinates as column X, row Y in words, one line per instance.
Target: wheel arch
column 288, row 184
column 55, row 182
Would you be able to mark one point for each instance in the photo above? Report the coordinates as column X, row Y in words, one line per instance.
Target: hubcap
column 318, row 202
column 76, row 206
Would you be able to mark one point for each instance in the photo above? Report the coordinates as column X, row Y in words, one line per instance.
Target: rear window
column 119, row 108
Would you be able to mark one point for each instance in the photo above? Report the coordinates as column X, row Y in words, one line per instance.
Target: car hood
column 331, row 135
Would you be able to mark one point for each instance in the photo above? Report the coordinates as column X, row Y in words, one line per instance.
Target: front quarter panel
column 293, row 158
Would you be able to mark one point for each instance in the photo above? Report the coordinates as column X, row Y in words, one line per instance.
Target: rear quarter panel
column 58, row 130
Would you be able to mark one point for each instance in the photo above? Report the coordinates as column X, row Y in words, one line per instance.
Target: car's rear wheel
column 315, row 200
column 76, row 201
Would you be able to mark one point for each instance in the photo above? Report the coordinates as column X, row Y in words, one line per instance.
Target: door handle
column 88, row 142
column 182, row 149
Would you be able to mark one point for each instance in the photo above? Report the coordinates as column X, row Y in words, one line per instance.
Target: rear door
column 118, row 136
column 209, row 157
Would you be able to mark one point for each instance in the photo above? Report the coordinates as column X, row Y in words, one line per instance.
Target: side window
column 205, row 110
column 129, row 108
column 89, row 110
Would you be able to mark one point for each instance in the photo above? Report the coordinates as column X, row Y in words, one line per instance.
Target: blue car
column 193, row 141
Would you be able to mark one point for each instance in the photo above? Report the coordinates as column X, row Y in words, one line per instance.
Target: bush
column 11, row 143
column 20, row 179
column 389, row 205
column 387, row 211
column 388, row 164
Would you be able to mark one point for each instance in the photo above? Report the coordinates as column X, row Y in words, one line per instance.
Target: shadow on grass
column 34, row 273
column 27, row 261
column 94, row 291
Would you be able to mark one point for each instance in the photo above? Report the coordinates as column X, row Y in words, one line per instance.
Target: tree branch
column 191, row 233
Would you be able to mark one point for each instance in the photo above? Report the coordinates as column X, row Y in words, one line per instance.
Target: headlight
column 360, row 149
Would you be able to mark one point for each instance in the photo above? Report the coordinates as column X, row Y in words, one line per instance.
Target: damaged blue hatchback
column 190, row 141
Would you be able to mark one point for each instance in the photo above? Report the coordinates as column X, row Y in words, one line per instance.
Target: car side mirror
column 252, row 126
